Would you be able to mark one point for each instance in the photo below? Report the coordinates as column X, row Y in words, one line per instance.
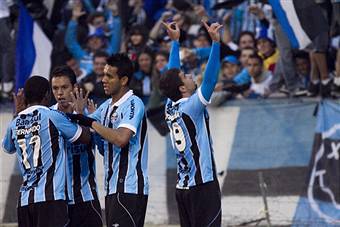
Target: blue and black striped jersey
column 38, row 135
column 125, row 168
column 81, row 171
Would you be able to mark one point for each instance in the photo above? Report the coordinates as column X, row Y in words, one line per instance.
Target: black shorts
column 125, row 210
column 200, row 206
column 85, row 214
column 43, row 214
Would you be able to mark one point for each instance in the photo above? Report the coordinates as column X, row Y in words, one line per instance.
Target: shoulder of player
column 57, row 115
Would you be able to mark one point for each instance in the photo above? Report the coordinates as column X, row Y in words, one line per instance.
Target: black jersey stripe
column 123, row 167
column 92, row 174
column 54, row 135
column 76, row 169
column 110, row 153
column 140, row 154
column 206, row 118
column 194, row 148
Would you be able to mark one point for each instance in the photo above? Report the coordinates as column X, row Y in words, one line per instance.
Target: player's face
column 188, row 82
column 62, row 88
column 111, row 82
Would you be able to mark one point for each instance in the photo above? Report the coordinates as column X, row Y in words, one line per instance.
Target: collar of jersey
column 179, row 101
column 123, row 98
column 31, row 108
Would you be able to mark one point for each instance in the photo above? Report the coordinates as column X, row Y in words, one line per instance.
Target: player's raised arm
column 213, row 65
column 174, row 34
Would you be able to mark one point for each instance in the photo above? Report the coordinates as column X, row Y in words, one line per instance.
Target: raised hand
column 173, row 30
column 77, row 10
column 19, row 101
column 213, row 30
column 257, row 11
column 79, row 101
column 91, row 106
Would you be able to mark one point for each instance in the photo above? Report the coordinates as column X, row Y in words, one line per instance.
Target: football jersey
column 81, row 171
column 38, row 135
column 188, row 121
column 125, row 168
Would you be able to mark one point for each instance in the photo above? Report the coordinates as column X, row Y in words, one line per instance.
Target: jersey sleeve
column 68, row 129
column 132, row 115
column 196, row 104
column 7, row 142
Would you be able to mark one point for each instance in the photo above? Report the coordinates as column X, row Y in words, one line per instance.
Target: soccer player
column 197, row 192
column 121, row 122
column 38, row 135
column 84, row 207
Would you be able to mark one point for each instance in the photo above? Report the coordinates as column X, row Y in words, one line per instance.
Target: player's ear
column 182, row 89
column 124, row 80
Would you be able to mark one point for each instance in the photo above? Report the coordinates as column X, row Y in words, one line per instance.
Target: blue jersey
column 81, row 172
column 188, row 121
column 125, row 168
column 38, row 135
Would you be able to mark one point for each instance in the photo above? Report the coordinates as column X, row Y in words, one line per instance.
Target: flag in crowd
column 33, row 49
column 302, row 21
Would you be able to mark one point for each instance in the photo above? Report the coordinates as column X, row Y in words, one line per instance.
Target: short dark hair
column 123, row 64
column 35, row 89
column 65, row 71
column 169, row 84
column 258, row 57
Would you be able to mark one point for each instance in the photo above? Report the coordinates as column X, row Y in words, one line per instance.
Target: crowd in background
column 257, row 58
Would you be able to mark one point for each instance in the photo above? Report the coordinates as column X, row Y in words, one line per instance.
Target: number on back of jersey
column 178, row 136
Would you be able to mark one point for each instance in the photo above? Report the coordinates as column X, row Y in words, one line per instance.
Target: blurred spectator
column 95, row 41
column 136, row 41
column 137, row 13
column 283, row 66
column 160, row 66
column 302, row 65
column 93, row 82
column 246, row 40
column 266, row 49
column 6, row 51
column 74, row 65
column 141, row 81
column 260, row 78
column 223, row 90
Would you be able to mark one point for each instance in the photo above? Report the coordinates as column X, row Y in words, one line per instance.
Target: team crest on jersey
column 114, row 117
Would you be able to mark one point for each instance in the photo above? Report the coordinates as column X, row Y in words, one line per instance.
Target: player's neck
column 120, row 94
column 67, row 109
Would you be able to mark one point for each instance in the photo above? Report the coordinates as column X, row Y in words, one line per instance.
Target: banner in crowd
column 302, row 21
column 320, row 203
column 33, row 49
